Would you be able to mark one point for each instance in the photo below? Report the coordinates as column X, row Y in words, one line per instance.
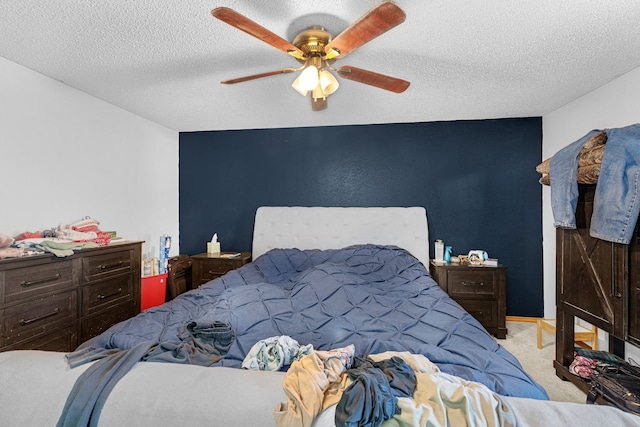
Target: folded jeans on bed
column 201, row 343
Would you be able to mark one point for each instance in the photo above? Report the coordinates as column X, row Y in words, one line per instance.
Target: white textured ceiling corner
column 163, row 60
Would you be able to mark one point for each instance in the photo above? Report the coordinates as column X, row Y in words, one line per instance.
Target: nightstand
column 207, row 267
column 478, row 289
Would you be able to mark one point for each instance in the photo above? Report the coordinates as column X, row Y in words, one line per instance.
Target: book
column 231, row 255
column 491, row 262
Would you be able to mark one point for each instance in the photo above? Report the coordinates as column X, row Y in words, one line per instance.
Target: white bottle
column 439, row 251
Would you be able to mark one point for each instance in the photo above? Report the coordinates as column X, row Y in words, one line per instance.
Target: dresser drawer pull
column 26, row 283
column 472, row 283
column 35, row 319
column 113, row 294
column 109, row 266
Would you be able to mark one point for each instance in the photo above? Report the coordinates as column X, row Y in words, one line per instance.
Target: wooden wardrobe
column 597, row 281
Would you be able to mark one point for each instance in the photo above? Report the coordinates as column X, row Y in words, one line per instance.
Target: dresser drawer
column 96, row 267
column 100, row 295
column 484, row 311
column 92, row 326
column 22, row 283
column 476, row 282
column 39, row 316
column 65, row 339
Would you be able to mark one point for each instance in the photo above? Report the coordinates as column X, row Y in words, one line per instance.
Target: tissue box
column 213, row 248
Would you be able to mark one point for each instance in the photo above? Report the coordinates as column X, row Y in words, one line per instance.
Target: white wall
column 65, row 155
column 615, row 104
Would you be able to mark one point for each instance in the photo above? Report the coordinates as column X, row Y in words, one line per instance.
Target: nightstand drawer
column 484, row 311
column 216, row 267
column 471, row 282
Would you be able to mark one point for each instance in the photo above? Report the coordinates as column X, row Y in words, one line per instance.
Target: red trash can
column 154, row 289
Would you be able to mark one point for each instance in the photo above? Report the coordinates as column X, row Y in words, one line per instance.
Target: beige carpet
column 521, row 342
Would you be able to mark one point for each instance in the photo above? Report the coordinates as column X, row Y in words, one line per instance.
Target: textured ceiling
column 163, row 60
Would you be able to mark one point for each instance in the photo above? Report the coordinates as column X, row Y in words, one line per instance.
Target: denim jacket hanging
column 616, row 205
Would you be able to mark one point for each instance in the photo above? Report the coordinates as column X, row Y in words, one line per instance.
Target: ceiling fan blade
column 318, row 104
column 250, row 27
column 259, row 76
column 382, row 81
column 382, row 18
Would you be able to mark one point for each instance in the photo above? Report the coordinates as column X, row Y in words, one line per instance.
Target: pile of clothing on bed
column 61, row 241
column 397, row 386
column 368, row 391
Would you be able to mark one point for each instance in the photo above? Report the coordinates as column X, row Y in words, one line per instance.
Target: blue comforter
column 378, row 298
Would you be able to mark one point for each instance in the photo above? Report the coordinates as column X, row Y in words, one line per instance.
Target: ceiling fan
column 316, row 49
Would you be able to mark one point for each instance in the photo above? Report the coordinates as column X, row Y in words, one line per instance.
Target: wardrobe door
column 592, row 273
column 634, row 289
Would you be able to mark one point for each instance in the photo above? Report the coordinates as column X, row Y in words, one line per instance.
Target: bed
column 329, row 279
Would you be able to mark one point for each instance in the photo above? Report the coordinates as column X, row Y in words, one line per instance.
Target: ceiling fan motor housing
column 312, row 41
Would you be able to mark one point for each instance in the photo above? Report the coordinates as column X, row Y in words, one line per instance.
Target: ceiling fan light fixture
column 309, row 78
column 328, row 83
column 298, row 87
column 318, row 93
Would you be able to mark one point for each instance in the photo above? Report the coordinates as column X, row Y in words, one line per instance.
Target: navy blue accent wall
column 476, row 179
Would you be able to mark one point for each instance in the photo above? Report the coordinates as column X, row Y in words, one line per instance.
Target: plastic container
column 439, row 255
column 154, row 291
column 447, row 254
column 165, row 246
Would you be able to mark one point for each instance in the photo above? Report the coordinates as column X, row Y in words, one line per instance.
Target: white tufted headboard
column 338, row 227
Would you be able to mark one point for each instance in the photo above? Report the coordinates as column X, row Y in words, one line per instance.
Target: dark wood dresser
column 478, row 289
column 51, row 303
column 597, row 281
column 206, row 267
